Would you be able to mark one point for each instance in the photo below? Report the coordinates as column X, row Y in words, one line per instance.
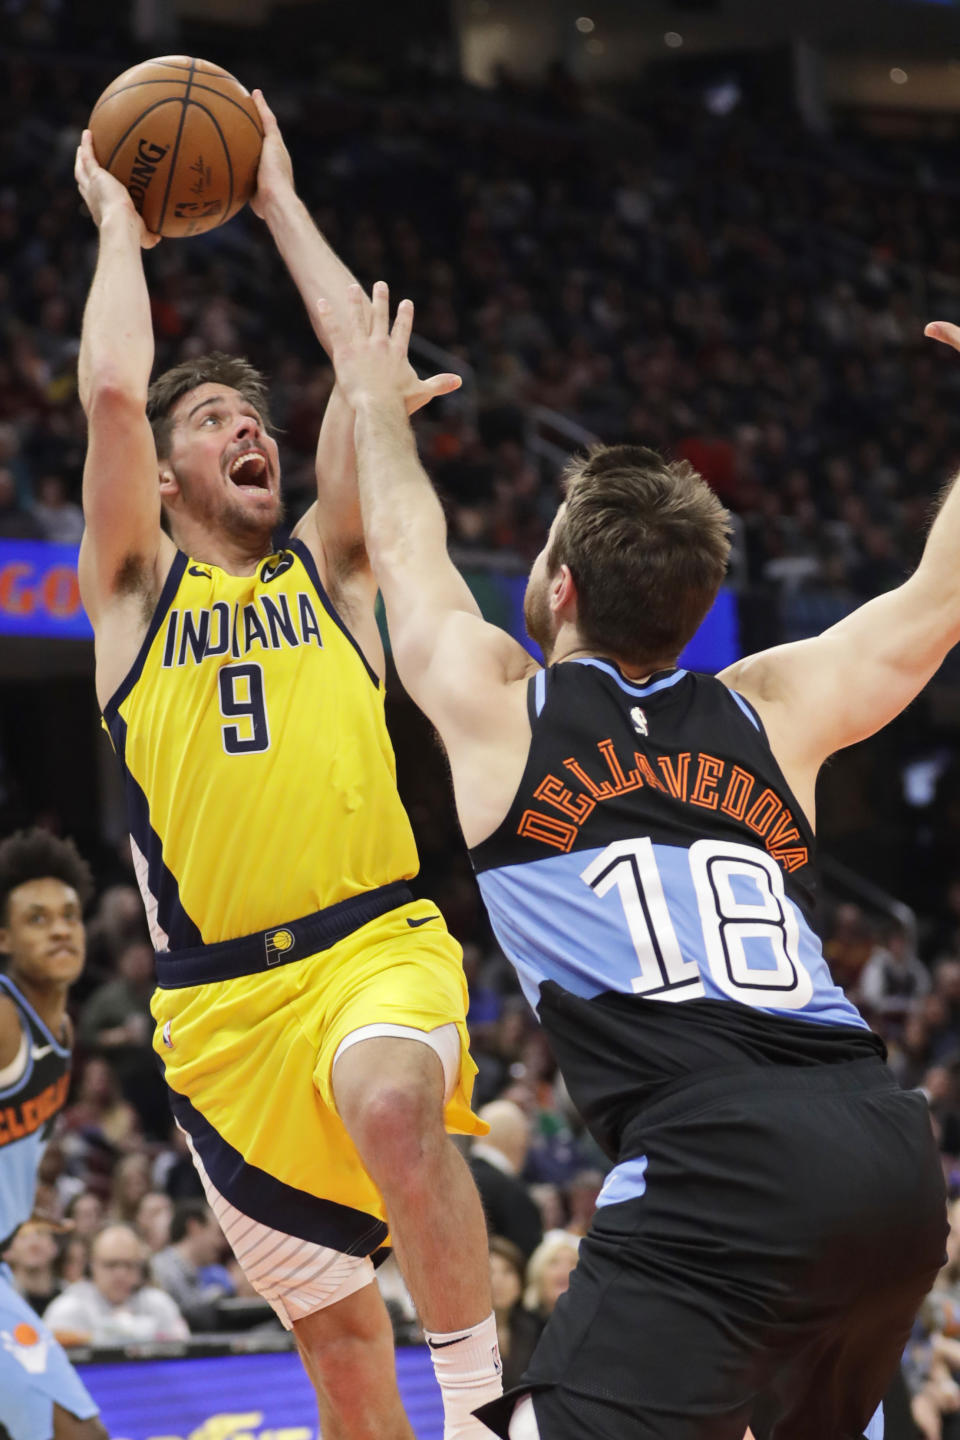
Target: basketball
column 184, row 137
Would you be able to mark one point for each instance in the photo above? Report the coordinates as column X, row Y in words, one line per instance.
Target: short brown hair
column 217, row 368
column 647, row 542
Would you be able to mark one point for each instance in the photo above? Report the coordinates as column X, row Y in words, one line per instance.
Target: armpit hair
column 134, row 578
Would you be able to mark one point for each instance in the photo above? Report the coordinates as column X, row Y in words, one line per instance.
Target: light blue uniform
column 35, row 1373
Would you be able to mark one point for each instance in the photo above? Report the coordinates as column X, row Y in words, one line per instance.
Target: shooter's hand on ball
column 102, row 194
column 275, row 174
column 371, row 359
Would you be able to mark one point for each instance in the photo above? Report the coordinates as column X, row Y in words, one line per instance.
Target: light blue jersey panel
column 35, row 1373
column 712, row 921
column 19, row 1161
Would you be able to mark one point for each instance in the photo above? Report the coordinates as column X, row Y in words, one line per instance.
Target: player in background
column 310, row 1014
column 643, row 838
column 44, row 884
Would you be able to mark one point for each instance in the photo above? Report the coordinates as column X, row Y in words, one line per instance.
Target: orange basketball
column 184, row 137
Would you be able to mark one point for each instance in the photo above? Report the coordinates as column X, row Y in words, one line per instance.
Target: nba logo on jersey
column 167, row 1034
column 278, row 943
column 639, row 721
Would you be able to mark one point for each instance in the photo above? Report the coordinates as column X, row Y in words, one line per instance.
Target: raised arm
column 819, row 695
column 123, row 541
column 317, row 270
column 466, row 675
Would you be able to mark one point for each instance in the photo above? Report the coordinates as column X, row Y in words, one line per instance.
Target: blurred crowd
column 749, row 296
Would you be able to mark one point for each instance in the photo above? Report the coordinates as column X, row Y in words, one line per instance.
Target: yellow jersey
column 260, row 778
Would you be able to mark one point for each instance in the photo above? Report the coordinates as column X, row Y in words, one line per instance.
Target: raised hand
column 275, row 174
column 103, row 193
column 371, row 360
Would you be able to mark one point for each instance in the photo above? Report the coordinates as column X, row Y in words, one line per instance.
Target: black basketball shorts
column 769, row 1273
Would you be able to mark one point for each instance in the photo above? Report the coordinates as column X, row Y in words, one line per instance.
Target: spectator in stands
column 893, row 980
column 73, row 1260
column 116, row 1021
column 940, row 1087
column 117, row 921
column 548, row 1272
column 154, row 1216
column 497, row 1163
column 848, row 945
column 56, row 1186
column 85, row 1212
column 175, row 1170
column 117, row 1017
column 909, row 1056
column 190, row 1268
column 60, row 520
column 932, row 1360
column 131, row 1182
column 15, row 523
column 115, row 1307
column 32, row 1256
column 99, row 1119
column 518, row 1329
column 551, row 1202
column 581, row 1193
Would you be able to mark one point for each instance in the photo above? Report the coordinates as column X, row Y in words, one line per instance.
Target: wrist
column 369, row 403
column 280, row 205
column 117, row 216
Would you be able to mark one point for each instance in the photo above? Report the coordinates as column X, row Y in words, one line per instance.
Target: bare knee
column 390, row 1097
column 397, row 1128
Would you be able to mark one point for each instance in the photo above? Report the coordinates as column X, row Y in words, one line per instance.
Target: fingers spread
column 380, row 323
column 357, row 302
column 402, row 326
column 328, row 320
column 943, row 331
column 443, row 384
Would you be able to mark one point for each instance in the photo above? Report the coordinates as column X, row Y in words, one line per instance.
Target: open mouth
column 248, row 471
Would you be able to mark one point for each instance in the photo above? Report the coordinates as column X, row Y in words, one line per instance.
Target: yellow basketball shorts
column 249, row 1063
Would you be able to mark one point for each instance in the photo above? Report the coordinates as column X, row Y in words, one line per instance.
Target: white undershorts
column 298, row 1277
column 445, row 1041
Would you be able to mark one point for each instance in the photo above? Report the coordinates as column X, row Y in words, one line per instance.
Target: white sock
column 468, row 1369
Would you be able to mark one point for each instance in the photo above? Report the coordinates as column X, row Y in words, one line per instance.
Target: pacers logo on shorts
column 279, row 943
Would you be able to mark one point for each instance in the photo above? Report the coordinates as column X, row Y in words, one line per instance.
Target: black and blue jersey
column 31, row 1097
column 653, row 884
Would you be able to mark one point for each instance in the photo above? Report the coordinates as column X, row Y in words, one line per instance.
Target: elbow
column 110, row 393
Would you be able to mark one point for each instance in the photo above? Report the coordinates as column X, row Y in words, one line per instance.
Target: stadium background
column 714, row 226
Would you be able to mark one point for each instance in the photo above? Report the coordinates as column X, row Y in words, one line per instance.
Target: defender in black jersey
column 43, row 884
column 643, row 840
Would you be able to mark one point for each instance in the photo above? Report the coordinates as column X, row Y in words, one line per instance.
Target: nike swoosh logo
column 414, row 925
column 443, row 1344
column 203, row 574
column 39, row 1051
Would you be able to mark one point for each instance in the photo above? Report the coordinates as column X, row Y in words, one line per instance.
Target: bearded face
column 537, row 614
column 226, row 466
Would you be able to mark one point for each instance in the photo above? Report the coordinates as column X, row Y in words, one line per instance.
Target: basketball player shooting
column 310, row 1013
column 643, row 839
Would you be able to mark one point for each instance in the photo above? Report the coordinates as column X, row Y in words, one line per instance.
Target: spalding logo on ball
column 184, row 137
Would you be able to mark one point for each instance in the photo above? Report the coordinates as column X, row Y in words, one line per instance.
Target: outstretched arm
column 121, row 499
column 820, row 695
column 316, row 270
column 455, row 665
